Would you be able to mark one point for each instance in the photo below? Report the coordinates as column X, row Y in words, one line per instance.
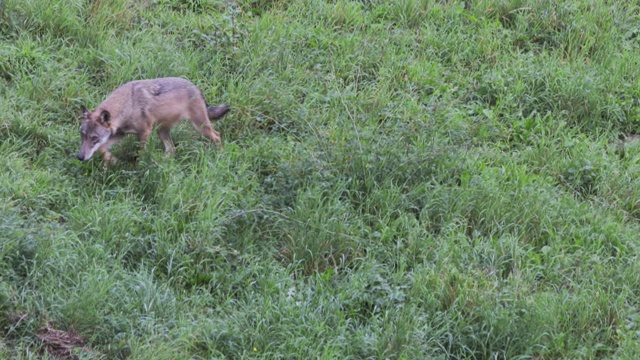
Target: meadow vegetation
column 402, row 179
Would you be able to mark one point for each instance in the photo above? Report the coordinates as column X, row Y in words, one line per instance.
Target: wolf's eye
column 95, row 140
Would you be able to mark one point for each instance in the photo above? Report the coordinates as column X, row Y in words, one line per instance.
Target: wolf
column 137, row 106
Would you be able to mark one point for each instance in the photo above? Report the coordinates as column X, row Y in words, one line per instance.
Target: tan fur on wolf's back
column 137, row 106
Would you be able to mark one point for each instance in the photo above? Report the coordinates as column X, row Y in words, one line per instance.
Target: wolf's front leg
column 104, row 149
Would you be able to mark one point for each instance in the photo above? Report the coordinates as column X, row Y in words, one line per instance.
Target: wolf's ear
column 85, row 111
column 105, row 117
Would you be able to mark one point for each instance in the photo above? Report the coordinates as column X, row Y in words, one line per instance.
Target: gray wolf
column 137, row 106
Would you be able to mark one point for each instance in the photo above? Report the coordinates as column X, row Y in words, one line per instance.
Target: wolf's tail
column 218, row 111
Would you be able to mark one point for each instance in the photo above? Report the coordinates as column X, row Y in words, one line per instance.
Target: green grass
column 405, row 180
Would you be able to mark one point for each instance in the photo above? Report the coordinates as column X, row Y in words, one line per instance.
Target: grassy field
column 404, row 179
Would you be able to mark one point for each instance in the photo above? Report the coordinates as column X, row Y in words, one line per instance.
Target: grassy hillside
column 401, row 179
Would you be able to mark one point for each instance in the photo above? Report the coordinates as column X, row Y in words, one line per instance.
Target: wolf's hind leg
column 200, row 120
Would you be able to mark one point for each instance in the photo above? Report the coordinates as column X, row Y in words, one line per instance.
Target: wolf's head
column 94, row 132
